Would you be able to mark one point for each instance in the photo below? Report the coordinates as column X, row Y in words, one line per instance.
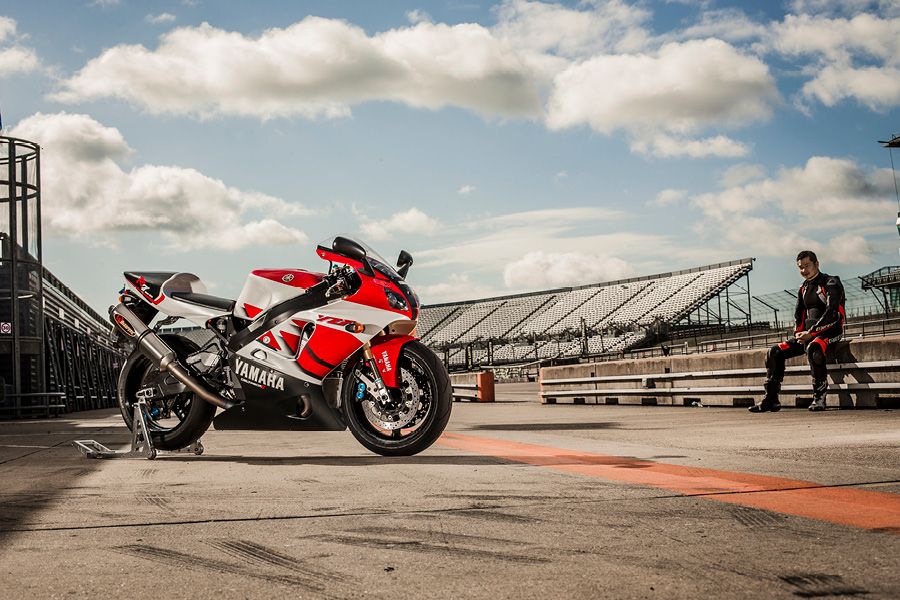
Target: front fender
column 386, row 350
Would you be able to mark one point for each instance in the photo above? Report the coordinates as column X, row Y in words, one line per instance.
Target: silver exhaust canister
column 161, row 354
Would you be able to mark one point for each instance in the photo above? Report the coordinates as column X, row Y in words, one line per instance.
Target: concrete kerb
column 477, row 387
column 739, row 384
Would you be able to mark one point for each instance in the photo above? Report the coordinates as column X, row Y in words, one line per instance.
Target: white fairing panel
column 265, row 288
column 182, row 282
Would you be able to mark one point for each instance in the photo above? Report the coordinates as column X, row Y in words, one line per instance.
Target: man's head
column 808, row 264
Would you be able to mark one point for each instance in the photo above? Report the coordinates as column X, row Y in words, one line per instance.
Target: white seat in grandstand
column 689, row 296
column 597, row 307
column 654, row 295
column 499, row 323
column 469, row 316
column 566, row 303
column 430, row 317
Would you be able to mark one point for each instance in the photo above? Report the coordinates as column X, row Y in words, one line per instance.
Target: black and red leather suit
column 819, row 311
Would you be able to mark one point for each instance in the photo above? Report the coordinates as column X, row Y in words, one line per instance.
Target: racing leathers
column 820, row 312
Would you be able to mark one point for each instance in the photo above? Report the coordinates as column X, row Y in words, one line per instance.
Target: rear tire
column 414, row 358
column 198, row 414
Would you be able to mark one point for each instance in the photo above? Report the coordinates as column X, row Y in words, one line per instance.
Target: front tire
column 423, row 379
column 192, row 415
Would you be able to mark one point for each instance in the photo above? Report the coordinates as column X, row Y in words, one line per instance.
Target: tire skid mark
column 158, row 501
column 259, row 554
column 190, row 561
column 418, row 547
column 446, row 537
column 492, row 515
column 750, row 517
column 820, row 585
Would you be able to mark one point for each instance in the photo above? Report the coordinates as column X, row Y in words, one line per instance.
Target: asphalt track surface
column 517, row 500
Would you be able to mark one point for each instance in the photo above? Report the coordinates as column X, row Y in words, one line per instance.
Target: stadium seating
column 542, row 325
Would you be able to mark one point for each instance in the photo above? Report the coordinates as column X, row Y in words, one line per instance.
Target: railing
column 47, row 407
column 648, row 382
column 852, row 330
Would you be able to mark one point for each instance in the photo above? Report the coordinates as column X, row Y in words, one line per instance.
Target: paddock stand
column 141, row 441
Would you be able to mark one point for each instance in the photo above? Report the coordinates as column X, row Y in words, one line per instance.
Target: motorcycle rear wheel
column 419, row 370
column 192, row 416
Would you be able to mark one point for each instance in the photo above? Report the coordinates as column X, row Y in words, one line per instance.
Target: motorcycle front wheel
column 418, row 410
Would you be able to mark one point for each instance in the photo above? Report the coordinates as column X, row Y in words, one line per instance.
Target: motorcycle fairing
column 265, row 288
column 156, row 289
column 274, row 400
column 386, row 350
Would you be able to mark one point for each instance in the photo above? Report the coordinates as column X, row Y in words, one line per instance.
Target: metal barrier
column 648, row 382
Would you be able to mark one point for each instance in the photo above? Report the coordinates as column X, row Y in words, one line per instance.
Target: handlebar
column 344, row 281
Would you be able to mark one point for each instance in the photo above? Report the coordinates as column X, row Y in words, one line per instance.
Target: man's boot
column 770, row 402
column 819, row 392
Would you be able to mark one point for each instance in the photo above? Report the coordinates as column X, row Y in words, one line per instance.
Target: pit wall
column 855, row 351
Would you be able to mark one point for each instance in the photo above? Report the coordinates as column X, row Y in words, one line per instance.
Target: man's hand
column 803, row 336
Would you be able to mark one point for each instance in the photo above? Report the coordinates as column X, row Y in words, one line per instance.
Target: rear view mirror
column 404, row 262
column 350, row 249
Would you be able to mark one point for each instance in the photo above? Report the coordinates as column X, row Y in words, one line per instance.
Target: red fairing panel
column 386, row 350
column 326, row 349
column 293, row 277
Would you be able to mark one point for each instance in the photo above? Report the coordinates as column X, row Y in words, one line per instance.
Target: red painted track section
column 843, row 505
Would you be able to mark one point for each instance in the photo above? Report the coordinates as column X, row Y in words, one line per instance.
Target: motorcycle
column 297, row 350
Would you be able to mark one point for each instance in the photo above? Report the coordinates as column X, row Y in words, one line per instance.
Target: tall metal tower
column 890, row 144
column 22, row 379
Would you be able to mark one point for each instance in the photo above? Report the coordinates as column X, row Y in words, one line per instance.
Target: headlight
column 396, row 300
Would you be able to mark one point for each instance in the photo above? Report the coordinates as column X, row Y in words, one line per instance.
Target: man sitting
column 820, row 322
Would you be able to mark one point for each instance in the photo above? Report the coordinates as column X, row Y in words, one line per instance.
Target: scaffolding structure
column 55, row 355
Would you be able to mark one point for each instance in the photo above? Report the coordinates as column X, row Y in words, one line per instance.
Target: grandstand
column 577, row 321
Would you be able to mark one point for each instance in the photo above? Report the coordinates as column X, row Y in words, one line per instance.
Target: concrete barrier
column 478, row 387
column 862, row 373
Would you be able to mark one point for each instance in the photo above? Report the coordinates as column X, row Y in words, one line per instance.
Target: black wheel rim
column 412, row 373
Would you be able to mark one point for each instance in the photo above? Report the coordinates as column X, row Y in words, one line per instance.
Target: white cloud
column 7, row 28
column 741, row 173
column 15, row 58
column 667, row 146
column 668, row 197
column 316, row 67
column 160, row 18
column 105, row 3
column 682, row 88
column 595, row 64
column 730, row 24
column 86, row 192
column 851, row 58
column 456, row 286
column 825, row 205
column 409, row 222
column 543, row 27
column 541, row 270
column 876, row 87
column 845, row 7
column 466, row 190
column 561, row 175
column 418, row 16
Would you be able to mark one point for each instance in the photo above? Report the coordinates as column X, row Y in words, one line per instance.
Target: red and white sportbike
column 297, row 350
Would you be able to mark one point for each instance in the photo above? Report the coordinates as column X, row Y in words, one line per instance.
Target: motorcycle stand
column 141, row 442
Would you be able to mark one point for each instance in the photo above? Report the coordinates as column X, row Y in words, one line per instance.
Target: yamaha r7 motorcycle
column 297, row 350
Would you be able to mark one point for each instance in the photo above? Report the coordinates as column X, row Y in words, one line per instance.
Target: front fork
column 375, row 385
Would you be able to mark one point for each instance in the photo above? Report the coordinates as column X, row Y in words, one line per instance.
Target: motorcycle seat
column 204, row 300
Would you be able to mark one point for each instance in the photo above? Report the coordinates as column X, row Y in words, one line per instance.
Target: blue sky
column 509, row 146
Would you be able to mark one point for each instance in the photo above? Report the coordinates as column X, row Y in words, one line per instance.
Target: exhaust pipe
column 161, row 354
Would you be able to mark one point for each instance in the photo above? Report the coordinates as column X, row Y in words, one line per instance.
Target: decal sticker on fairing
column 253, row 374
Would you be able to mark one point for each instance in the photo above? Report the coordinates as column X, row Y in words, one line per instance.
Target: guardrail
column 648, row 383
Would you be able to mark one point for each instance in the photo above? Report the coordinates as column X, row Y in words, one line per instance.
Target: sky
column 509, row 146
